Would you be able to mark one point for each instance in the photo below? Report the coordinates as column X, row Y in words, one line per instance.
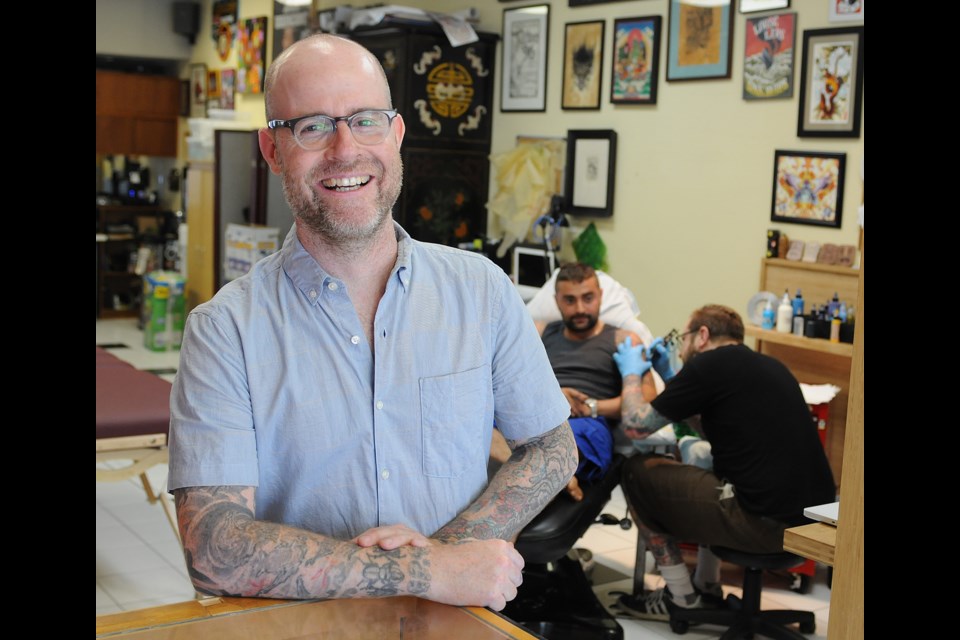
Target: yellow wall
column 694, row 172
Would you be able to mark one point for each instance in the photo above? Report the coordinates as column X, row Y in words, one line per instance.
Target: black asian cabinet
column 445, row 95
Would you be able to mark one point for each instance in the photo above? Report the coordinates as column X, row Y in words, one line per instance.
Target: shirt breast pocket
column 454, row 430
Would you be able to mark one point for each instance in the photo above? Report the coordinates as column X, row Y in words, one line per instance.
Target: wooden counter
column 817, row 541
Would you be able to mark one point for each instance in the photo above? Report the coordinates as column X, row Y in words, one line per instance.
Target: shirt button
column 355, row 339
column 384, row 474
column 313, row 294
column 333, row 286
column 379, row 404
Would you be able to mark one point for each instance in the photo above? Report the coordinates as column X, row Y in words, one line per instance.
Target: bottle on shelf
column 785, row 314
column 769, row 316
column 835, row 326
column 833, row 304
column 798, row 304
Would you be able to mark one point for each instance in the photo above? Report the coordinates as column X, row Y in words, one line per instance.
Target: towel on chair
column 595, row 443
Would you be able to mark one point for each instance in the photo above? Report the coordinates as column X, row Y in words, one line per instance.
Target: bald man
column 332, row 413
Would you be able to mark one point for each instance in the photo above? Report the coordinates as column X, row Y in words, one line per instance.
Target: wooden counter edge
column 509, row 628
column 112, row 623
column 816, row 541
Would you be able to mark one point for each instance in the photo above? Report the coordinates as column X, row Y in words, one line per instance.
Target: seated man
column 768, row 463
column 580, row 348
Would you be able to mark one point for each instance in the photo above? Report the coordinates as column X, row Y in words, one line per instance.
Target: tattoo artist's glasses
column 674, row 338
column 315, row 132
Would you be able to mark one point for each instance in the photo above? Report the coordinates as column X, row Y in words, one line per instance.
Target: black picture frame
column 756, row 6
column 808, row 187
column 526, row 45
column 699, row 41
column 635, row 60
column 582, row 65
column 831, row 83
column 590, row 172
column 583, row 3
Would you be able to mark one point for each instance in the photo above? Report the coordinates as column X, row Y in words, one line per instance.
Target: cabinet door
column 115, row 134
column 155, row 137
column 444, row 195
column 444, row 93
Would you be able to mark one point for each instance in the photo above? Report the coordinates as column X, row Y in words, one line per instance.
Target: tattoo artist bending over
column 332, row 413
column 768, row 463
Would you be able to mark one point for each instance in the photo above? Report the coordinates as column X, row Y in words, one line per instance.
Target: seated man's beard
column 569, row 323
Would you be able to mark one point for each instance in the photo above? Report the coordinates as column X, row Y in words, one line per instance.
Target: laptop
column 827, row 513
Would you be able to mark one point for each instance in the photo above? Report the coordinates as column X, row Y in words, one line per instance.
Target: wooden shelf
column 811, row 266
column 817, row 541
column 813, row 344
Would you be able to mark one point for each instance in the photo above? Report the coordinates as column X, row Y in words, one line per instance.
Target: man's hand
column 578, row 406
column 479, row 573
column 391, row 537
column 630, row 359
column 574, row 490
column 657, row 354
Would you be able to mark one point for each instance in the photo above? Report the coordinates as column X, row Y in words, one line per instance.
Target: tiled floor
column 139, row 563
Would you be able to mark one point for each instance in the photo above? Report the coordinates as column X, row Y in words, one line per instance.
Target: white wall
column 139, row 29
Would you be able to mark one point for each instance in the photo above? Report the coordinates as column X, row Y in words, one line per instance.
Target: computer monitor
column 531, row 268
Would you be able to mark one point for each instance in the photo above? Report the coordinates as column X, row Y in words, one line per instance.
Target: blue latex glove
column 630, row 359
column 657, row 353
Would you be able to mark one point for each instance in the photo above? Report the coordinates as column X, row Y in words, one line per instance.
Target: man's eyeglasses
column 674, row 338
column 317, row 131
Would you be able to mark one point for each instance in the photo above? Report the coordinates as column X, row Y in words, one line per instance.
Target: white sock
column 678, row 580
column 708, row 569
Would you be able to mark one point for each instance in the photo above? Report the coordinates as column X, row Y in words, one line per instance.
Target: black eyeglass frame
column 292, row 122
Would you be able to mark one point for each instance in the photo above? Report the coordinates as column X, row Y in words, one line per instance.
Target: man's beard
column 336, row 224
column 592, row 322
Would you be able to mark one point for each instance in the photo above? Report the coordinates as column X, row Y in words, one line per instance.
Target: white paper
column 818, row 393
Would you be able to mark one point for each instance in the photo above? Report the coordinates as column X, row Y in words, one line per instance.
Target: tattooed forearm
column 536, row 471
column 639, row 418
column 229, row 552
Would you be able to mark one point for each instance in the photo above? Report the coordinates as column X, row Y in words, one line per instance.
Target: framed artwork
column 636, row 60
column 768, row 57
column 590, row 172
column 291, row 22
column 831, row 83
column 525, row 31
column 752, row 6
column 582, row 3
column 808, row 187
column 213, row 85
column 228, row 84
column 700, row 43
column 251, row 55
column 582, row 59
column 198, row 91
column 846, row 11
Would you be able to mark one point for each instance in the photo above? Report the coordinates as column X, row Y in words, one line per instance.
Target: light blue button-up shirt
column 277, row 388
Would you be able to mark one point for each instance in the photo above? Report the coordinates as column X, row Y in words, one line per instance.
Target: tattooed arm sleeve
column 229, row 552
column 537, row 470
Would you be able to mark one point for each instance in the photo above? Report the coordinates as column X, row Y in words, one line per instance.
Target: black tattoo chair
column 556, row 599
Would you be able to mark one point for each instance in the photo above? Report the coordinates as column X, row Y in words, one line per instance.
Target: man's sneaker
column 654, row 605
column 712, row 597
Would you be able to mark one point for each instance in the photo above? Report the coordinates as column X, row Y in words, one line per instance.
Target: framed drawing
column 768, row 57
column 752, row 6
column 582, row 59
column 808, row 187
column 525, row 31
column 581, row 3
column 636, row 60
column 198, row 91
column 700, row 41
column 213, row 84
column 831, row 83
column 590, row 172
column 228, row 84
column 251, row 55
column 846, row 11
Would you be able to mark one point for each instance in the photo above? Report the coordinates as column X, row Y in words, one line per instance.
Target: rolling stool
column 745, row 618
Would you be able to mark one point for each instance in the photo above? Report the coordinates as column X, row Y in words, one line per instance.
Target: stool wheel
column 801, row 583
column 679, row 627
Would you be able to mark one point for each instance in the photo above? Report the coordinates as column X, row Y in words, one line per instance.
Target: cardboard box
column 245, row 246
